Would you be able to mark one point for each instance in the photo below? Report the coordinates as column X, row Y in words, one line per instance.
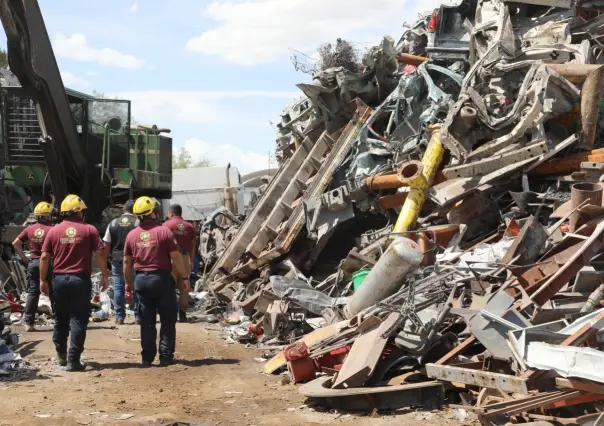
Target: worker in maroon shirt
column 71, row 244
column 153, row 251
column 35, row 235
column 186, row 238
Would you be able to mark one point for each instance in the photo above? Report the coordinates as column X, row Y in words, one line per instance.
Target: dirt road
column 215, row 383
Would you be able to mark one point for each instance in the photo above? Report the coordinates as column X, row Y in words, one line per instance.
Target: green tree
column 3, row 58
column 342, row 54
column 183, row 159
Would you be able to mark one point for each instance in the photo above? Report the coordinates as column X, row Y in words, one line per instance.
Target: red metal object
column 257, row 328
column 433, row 21
column 296, row 351
column 302, row 370
column 14, row 306
column 334, row 359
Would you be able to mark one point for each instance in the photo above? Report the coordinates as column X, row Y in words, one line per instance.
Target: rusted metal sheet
column 530, row 403
column 427, row 394
column 364, row 355
column 575, row 73
column 527, row 244
column 591, row 93
column 580, row 384
column 588, row 249
column 486, row 379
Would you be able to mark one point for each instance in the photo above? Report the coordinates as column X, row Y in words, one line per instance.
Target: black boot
column 75, row 366
column 62, row 359
column 182, row 316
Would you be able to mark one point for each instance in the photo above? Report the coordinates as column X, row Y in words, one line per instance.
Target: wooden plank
column 278, row 361
column 364, row 355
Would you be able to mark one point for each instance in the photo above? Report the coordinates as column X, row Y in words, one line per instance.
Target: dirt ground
column 214, row 383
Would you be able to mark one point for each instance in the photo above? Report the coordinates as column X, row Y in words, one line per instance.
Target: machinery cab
column 129, row 159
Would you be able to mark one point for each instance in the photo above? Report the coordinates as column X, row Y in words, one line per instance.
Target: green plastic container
column 358, row 277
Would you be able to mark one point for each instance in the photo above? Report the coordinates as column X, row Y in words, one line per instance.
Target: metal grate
column 22, row 132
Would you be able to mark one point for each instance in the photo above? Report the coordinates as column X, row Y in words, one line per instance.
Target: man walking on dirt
column 153, row 252
column 71, row 244
column 35, row 235
column 114, row 239
column 185, row 237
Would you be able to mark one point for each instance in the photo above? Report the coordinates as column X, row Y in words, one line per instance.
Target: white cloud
column 198, row 107
column 257, row 31
column 76, row 47
column 93, row 73
column 134, row 6
column 221, row 155
column 72, row 80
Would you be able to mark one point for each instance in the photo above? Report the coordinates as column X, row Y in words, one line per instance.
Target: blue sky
column 215, row 72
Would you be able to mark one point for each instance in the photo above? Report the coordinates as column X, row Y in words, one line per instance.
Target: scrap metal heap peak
column 437, row 222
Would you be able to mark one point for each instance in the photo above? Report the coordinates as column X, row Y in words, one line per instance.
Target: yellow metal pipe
column 419, row 176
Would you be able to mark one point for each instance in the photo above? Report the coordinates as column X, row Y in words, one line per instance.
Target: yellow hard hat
column 72, row 204
column 144, row 206
column 43, row 208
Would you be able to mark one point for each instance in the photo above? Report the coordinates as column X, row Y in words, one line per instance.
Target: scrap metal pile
column 435, row 233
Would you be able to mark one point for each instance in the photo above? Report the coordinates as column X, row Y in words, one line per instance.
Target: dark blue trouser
column 119, row 293
column 33, row 290
column 156, row 294
column 72, row 312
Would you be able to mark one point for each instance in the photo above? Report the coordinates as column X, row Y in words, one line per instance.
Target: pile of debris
column 436, row 230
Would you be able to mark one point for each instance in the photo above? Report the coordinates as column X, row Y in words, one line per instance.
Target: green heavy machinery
column 129, row 160
column 57, row 141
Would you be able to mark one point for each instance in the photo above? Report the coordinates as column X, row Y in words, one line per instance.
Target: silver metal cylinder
column 387, row 276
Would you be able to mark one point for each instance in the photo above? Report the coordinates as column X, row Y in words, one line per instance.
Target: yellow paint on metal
column 417, row 194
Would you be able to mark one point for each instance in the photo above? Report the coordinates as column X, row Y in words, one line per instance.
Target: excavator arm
column 32, row 60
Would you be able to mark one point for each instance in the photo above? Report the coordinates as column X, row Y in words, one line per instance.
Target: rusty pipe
column 393, row 201
column 579, row 193
column 407, row 59
column 591, row 93
column 575, row 73
column 377, row 183
column 392, row 181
